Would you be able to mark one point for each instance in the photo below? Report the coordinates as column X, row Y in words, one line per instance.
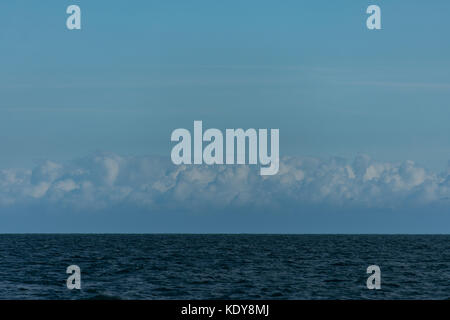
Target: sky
column 86, row 115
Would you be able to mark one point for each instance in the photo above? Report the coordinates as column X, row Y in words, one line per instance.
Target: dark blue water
column 224, row 266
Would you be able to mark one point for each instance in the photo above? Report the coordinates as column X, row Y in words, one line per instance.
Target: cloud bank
column 104, row 181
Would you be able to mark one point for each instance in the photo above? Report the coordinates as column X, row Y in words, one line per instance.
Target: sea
column 221, row 266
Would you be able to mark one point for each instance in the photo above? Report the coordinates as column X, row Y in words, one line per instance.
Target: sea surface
column 224, row 266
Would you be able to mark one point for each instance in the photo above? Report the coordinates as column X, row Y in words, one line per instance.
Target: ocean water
column 224, row 266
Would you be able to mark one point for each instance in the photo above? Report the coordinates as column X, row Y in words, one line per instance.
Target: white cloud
column 106, row 180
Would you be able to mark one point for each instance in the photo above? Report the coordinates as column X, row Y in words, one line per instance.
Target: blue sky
column 136, row 71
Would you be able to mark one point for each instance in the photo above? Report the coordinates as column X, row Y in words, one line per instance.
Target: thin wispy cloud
column 404, row 85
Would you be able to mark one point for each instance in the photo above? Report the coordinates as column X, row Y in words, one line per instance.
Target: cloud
column 404, row 85
column 103, row 181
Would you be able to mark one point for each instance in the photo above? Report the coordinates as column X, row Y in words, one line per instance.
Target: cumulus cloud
column 102, row 181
